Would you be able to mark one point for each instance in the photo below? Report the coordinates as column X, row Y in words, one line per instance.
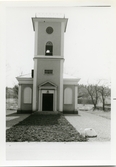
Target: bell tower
column 48, row 63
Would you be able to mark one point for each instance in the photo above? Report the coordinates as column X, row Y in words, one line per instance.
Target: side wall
column 26, row 101
column 70, row 98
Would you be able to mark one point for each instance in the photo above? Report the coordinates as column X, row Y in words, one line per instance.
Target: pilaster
column 62, row 39
column 61, row 87
column 35, row 86
column 36, row 39
column 75, row 102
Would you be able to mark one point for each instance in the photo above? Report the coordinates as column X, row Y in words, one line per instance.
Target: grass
column 99, row 112
column 44, row 128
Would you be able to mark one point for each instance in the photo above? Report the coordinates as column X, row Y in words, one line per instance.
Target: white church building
column 47, row 89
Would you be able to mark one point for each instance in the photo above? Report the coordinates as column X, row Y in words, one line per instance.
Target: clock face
column 49, row 30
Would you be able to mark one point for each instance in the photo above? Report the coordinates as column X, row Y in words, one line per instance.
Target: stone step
column 46, row 113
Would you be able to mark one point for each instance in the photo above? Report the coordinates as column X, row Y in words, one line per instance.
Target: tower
column 48, row 63
column 47, row 89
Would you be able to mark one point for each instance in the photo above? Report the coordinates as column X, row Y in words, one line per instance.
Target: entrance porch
column 47, row 97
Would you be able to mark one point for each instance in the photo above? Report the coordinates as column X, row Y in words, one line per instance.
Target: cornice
column 48, row 57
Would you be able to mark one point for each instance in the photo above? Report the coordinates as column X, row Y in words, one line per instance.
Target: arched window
column 49, row 48
column 68, row 96
column 27, row 95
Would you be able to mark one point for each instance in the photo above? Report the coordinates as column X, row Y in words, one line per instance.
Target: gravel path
column 87, row 120
column 12, row 118
column 43, row 128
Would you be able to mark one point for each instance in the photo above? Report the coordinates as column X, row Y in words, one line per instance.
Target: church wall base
column 24, row 111
column 70, row 112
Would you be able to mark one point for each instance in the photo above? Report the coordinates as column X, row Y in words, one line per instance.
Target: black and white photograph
column 59, row 86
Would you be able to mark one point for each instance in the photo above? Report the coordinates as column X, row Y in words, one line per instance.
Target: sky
column 87, row 44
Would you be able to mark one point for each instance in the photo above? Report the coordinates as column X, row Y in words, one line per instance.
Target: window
column 48, row 71
column 49, row 49
column 27, row 95
column 68, row 96
column 49, row 30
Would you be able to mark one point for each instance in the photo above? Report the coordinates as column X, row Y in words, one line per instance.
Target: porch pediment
column 47, row 84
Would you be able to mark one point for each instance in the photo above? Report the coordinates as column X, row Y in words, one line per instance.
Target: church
column 48, row 89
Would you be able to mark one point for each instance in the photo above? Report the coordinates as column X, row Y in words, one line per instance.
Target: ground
column 89, row 108
column 13, row 118
column 39, row 127
column 87, row 120
column 99, row 120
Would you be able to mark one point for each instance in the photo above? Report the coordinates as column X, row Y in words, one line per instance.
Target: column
column 55, row 100
column 75, row 102
column 19, row 98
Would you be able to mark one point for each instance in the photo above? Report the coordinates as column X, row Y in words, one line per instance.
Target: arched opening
column 49, row 48
column 68, row 96
column 27, row 95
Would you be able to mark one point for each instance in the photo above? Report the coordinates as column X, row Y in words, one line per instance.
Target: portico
column 47, row 97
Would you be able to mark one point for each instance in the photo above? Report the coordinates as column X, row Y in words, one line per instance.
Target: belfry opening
column 49, row 49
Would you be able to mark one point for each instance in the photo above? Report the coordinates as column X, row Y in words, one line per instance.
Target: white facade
column 47, row 90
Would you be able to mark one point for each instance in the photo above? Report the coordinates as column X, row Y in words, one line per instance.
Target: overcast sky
column 87, row 45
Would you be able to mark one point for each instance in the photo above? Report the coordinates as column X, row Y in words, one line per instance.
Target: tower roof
column 50, row 17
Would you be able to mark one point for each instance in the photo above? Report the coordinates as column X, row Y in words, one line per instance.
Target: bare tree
column 99, row 91
column 93, row 93
column 104, row 92
column 15, row 89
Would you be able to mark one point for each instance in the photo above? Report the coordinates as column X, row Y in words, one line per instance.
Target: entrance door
column 47, row 102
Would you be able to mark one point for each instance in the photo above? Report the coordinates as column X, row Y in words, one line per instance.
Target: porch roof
column 67, row 79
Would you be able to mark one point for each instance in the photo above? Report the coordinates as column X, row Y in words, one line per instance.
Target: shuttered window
column 48, row 71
